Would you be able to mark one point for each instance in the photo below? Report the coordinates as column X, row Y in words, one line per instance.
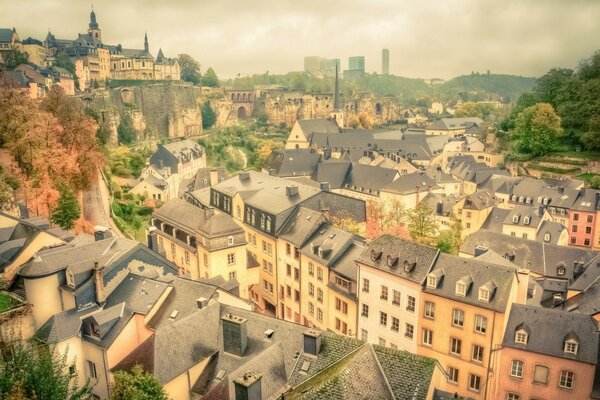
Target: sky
column 426, row 39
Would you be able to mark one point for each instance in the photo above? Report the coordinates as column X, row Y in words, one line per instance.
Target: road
column 96, row 206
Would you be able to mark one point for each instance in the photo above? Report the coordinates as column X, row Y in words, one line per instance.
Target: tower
column 146, row 46
column 385, row 62
column 337, row 113
column 94, row 28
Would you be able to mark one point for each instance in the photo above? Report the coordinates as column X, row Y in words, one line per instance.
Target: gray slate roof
column 548, row 330
column 411, row 183
column 292, row 162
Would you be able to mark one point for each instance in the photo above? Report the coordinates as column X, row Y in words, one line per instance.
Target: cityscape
column 360, row 221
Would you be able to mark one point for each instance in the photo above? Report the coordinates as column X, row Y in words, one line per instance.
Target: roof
column 310, row 126
column 332, row 171
column 327, row 244
column 455, row 123
column 440, row 203
column 549, row 329
column 400, row 257
column 202, row 179
column 6, row 34
column 298, row 229
column 366, row 178
column 292, row 162
column 64, row 325
column 475, row 273
column 417, row 182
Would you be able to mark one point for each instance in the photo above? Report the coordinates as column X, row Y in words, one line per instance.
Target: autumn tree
column 362, row 120
column 266, row 148
column 136, row 384
column 537, row 129
column 375, row 223
column 210, row 78
column 190, row 68
column 343, row 220
column 421, row 224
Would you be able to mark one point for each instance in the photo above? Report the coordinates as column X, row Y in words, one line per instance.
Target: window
column 365, row 311
column 484, row 294
column 409, row 331
column 461, row 289
column 512, row 396
column 427, row 337
column 474, row 382
column 311, row 289
column 91, row 369
column 320, row 314
column 575, row 217
column 395, row 324
column 574, row 228
column 381, row 341
column 396, row 298
column 431, row 282
column 365, row 285
column 455, row 346
column 232, row 275
column 364, row 335
column 540, row 374
column 343, row 283
column 590, row 218
column 320, row 273
column 94, row 329
column 296, row 296
column 341, row 326
column 187, row 257
column 264, row 246
column 480, row 324
column 429, row 310
column 571, row 346
column 516, row 369
column 410, row 304
column 230, row 258
column 566, row 379
column 288, row 290
column 588, row 229
column 230, row 241
column 452, row 375
column 477, row 353
column 288, row 270
column 311, row 269
column 311, row 308
column 586, row 242
column 288, row 249
column 384, row 293
column 521, row 337
column 70, row 278
column 173, row 248
column 458, row 317
column 320, row 295
column 341, row 305
column 383, row 318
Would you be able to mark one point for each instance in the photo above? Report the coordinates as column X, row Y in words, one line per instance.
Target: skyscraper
column 385, row 62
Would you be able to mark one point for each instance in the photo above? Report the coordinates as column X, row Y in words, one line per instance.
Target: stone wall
column 159, row 110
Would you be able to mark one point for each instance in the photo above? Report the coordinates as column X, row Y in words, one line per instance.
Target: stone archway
column 242, row 113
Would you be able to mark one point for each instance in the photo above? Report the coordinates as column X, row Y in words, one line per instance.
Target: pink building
column 546, row 354
column 582, row 218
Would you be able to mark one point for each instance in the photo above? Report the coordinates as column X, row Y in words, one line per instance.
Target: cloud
column 426, row 39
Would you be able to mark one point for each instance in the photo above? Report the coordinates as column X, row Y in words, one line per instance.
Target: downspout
column 489, row 369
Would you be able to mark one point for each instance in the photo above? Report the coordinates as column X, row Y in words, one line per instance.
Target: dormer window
column 528, row 200
column 461, row 289
column 521, row 337
column 320, row 252
column 526, row 220
column 484, row 294
column 391, row 261
column 514, row 197
column 540, row 199
column 561, row 270
column 94, row 329
column 516, row 219
column 230, row 241
column 431, row 282
column 571, row 346
column 375, row 255
column 547, row 237
column 70, row 278
column 521, row 199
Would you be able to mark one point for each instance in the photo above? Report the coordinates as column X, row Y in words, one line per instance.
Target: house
column 545, row 353
column 474, row 210
column 453, row 126
column 301, row 134
column 409, row 190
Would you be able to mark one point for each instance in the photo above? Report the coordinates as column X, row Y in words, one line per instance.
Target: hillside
column 485, row 87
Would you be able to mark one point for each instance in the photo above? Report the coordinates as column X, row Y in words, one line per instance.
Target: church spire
column 93, row 22
column 336, row 94
column 146, row 46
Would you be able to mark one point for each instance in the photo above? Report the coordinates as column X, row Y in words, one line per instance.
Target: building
column 356, row 67
column 301, row 134
column 390, row 273
column 463, row 312
column 473, row 211
column 36, row 51
column 453, row 126
column 385, row 62
column 548, row 354
column 202, row 243
column 9, row 40
column 314, row 65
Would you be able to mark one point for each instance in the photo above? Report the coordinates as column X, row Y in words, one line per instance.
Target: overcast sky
column 442, row 38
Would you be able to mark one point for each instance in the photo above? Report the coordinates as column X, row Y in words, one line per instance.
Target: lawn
column 6, row 302
column 586, row 155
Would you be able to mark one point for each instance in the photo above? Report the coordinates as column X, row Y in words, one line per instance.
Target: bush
column 142, row 211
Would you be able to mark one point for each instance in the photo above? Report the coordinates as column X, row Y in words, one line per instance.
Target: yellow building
column 464, row 309
column 302, row 131
column 473, row 210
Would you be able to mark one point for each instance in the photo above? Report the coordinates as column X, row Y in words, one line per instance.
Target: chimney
column 152, row 239
column 272, row 171
column 235, row 335
column 439, row 208
column 98, row 275
column 209, row 212
column 291, row 191
column 561, row 189
column 101, row 233
column 244, row 176
column 325, row 187
column 327, row 153
column 417, row 202
column 214, row 176
column 201, row 302
column 248, row 387
column 479, row 250
column 312, row 342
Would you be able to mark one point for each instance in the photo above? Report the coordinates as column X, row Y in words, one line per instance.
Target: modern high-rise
column 313, row 65
column 385, row 62
column 356, row 67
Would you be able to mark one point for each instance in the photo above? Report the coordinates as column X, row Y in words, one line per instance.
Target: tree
column 471, row 109
column 190, row 69
column 13, row 58
column 591, row 139
column 595, row 182
column 67, row 209
column 33, row 371
column 126, row 132
column 62, row 60
column 136, row 385
column 375, row 219
column 421, row 225
column 537, row 129
column 449, row 240
column 209, row 117
column 210, row 78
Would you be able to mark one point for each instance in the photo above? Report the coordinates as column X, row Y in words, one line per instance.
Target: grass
column 586, row 155
column 553, row 169
column 6, row 302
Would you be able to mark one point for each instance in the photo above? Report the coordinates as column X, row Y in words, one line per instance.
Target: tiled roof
column 294, row 162
column 411, row 183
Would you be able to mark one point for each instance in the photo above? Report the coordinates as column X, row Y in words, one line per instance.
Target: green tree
column 67, row 210
column 190, row 69
column 591, row 139
column 210, row 78
column 136, row 385
column 63, row 61
column 126, row 132
column 595, row 182
column 449, row 240
column 34, row 371
column 13, row 58
column 421, row 224
column 537, row 129
column 209, row 117
column 549, row 86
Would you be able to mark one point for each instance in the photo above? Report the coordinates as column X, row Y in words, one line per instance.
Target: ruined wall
column 159, row 110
